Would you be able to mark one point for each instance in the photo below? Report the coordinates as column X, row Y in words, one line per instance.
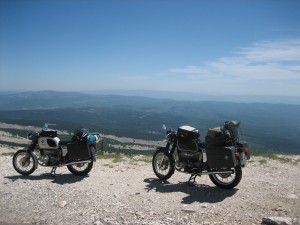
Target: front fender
column 35, row 158
column 30, row 151
column 163, row 149
column 167, row 151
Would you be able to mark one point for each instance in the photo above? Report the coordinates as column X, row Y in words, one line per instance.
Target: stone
column 292, row 196
column 188, row 210
column 116, row 195
column 277, row 221
column 62, row 204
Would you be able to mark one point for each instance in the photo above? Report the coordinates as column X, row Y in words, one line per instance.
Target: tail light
column 242, row 149
column 245, row 149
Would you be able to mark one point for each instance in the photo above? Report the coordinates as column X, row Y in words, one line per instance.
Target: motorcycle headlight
column 32, row 136
column 29, row 135
column 169, row 136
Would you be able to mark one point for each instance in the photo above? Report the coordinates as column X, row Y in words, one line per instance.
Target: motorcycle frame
column 174, row 148
column 34, row 146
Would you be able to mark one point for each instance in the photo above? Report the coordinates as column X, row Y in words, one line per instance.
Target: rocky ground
column 127, row 191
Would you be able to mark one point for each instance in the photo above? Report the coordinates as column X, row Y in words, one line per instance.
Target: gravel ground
column 128, row 192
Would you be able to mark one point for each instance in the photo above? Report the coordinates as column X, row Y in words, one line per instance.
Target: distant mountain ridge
column 265, row 126
column 55, row 99
column 189, row 96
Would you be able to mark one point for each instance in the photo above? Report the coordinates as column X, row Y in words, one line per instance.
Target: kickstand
column 193, row 177
column 53, row 174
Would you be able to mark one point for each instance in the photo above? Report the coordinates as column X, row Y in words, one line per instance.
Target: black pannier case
column 221, row 157
column 48, row 133
column 77, row 151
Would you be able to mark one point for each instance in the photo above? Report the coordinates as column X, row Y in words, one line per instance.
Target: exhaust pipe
column 210, row 173
column 72, row 163
column 217, row 172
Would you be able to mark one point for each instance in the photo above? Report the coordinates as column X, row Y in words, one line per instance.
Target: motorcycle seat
column 64, row 142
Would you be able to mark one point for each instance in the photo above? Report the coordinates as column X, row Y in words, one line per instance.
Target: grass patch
column 282, row 157
column 274, row 156
column 8, row 153
column 263, row 161
column 116, row 158
column 140, row 158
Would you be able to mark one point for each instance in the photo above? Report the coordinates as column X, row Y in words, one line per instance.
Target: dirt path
column 128, row 192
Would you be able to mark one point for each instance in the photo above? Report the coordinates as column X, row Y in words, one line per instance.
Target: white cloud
column 263, row 61
column 288, row 50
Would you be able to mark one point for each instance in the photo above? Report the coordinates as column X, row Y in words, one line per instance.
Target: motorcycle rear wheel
column 80, row 169
column 24, row 163
column 163, row 164
column 227, row 181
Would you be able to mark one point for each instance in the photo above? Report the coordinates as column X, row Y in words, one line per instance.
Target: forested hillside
column 266, row 127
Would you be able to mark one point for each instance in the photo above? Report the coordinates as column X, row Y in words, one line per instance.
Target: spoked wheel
column 80, row 169
column 24, row 163
column 227, row 181
column 163, row 164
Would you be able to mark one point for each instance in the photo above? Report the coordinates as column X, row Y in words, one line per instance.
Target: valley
column 266, row 127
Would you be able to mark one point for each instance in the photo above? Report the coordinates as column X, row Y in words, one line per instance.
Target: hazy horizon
column 185, row 96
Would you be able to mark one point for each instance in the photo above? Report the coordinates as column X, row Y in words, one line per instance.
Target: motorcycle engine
column 50, row 156
column 189, row 160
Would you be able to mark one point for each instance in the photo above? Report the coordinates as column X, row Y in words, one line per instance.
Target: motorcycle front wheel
column 24, row 163
column 163, row 164
column 80, row 169
column 227, row 181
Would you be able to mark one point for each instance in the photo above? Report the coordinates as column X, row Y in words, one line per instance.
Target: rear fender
column 244, row 151
column 93, row 150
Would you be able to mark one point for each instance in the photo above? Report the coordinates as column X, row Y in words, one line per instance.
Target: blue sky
column 212, row 47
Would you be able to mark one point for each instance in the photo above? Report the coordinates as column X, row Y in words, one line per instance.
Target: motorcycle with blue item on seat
column 221, row 156
column 46, row 149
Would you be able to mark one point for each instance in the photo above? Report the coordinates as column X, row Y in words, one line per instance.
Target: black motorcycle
column 46, row 149
column 221, row 156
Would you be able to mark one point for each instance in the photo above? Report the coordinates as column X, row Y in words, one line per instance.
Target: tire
column 80, row 169
column 227, row 181
column 163, row 164
column 24, row 163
